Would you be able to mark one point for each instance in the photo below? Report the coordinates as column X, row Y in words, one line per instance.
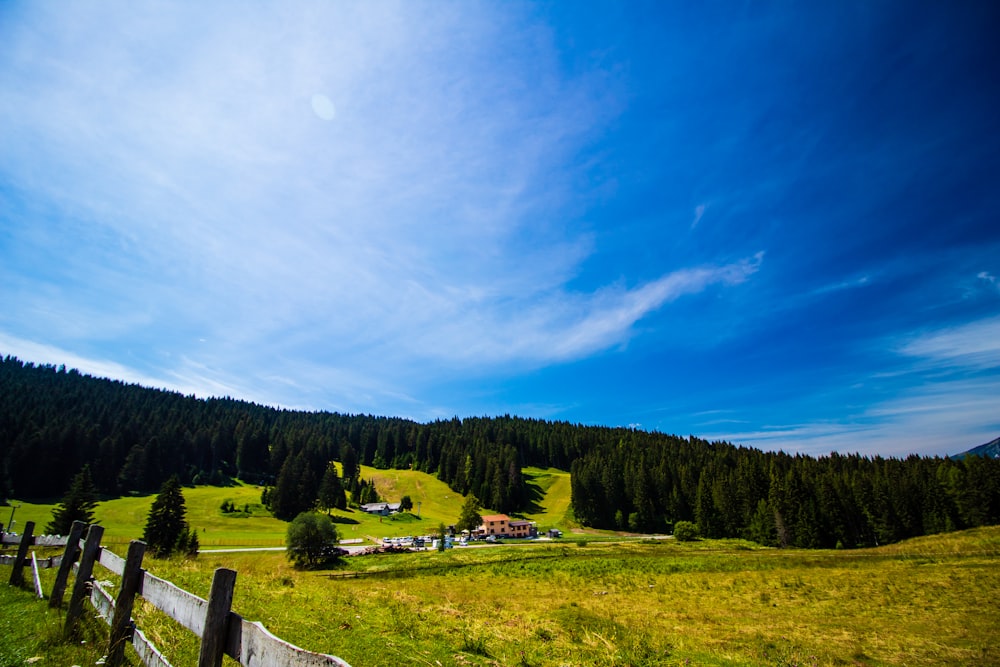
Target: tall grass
column 31, row 633
column 929, row 602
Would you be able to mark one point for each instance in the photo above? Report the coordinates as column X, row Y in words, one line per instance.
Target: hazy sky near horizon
column 778, row 227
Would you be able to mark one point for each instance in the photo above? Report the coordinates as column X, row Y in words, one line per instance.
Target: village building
column 384, row 509
column 501, row 525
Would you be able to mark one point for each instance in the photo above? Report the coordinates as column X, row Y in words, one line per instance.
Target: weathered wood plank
column 252, row 645
column 37, row 540
column 187, row 609
column 149, row 654
column 66, row 564
column 220, row 602
column 36, row 578
column 84, row 570
column 120, row 624
column 17, row 575
column 112, row 561
column 103, row 602
column 43, row 564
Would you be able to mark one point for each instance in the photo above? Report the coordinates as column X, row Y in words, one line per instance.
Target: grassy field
column 585, row 600
column 31, row 633
column 926, row 602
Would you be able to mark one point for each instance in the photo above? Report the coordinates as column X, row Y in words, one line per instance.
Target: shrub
column 312, row 540
column 685, row 531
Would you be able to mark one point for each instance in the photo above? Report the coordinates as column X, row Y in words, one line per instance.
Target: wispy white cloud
column 855, row 283
column 202, row 208
column 972, row 345
column 563, row 326
column 949, row 401
column 988, row 278
column 943, row 417
column 699, row 213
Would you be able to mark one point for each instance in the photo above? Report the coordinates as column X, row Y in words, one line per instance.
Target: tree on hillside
column 469, row 519
column 331, row 491
column 295, row 490
column 77, row 505
column 166, row 530
column 349, row 459
column 405, row 504
column 311, row 540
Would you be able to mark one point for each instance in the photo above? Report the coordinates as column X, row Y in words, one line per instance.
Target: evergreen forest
column 54, row 422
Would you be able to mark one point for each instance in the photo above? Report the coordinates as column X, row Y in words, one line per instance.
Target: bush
column 312, row 540
column 685, row 531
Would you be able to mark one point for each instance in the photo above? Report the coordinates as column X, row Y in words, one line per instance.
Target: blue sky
column 775, row 226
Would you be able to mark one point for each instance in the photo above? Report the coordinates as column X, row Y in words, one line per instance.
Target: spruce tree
column 77, row 505
column 166, row 530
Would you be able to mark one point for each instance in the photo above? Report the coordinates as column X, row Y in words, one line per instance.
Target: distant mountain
column 990, row 450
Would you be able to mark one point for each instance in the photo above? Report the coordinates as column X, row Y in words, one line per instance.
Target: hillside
column 54, row 421
column 990, row 450
column 123, row 518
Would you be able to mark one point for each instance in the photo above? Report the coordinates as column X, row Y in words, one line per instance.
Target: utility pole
column 418, row 509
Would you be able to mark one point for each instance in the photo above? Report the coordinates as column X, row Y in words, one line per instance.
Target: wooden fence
column 222, row 631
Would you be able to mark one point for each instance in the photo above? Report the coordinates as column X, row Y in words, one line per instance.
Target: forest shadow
column 534, row 494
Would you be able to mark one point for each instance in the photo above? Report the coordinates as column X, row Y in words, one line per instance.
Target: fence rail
column 222, row 631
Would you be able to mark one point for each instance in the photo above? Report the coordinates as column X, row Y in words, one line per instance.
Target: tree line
column 779, row 499
column 54, row 421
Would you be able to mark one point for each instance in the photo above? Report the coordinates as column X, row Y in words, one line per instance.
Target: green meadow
column 585, row 600
column 434, row 503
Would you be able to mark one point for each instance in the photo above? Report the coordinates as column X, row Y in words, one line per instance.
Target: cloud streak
column 561, row 326
column 370, row 187
column 972, row 345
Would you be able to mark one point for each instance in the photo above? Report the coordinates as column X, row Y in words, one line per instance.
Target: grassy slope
column 551, row 509
column 124, row 518
column 439, row 504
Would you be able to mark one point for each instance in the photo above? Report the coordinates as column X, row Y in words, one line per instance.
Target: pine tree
column 166, row 527
column 77, row 505
column 193, row 544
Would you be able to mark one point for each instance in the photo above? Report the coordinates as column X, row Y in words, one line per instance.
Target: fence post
column 72, row 547
column 17, row 576
column 220, row 601
column 121, row 621
column 80, row 586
